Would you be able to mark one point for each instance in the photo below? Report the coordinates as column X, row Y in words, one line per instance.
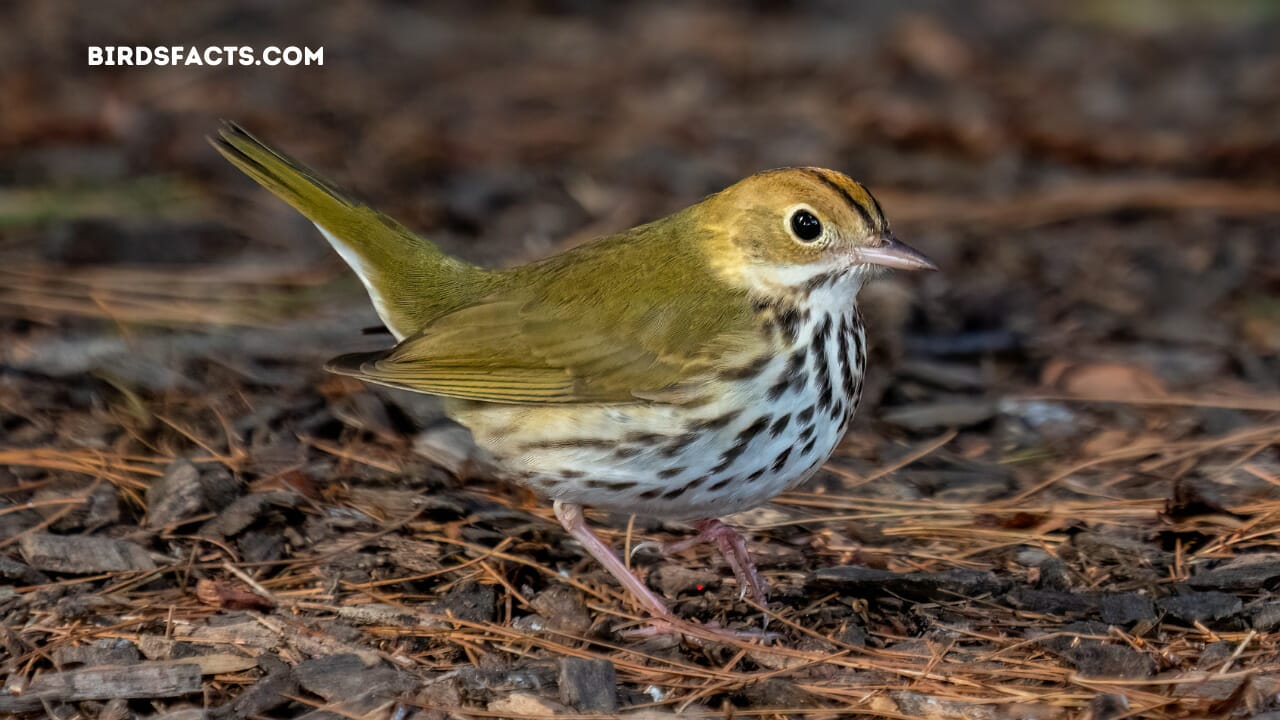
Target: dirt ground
column 1060, row 498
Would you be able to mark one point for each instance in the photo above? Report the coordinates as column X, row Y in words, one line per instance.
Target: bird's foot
column 664, row 622
column 734, row 549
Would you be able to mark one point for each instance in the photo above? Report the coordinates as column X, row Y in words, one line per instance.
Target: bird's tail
column 409, row 280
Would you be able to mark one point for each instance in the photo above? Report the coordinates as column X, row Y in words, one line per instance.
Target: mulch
column 1060, row 499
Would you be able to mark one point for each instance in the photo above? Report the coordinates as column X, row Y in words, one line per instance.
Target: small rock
column 345, row 676
column 13, row 520
column 1249, row 572
column 260, row 545
column 451, row 447
column 1200, row 606
column 175, row 496
column 526, row 705
column 854, row 634
column 1054, row 575
column 1098, row 658
column 101, row 506
column 919, row 705
column 82, row 554
column 471, row 602
column 589, row 686
column 266, row 694
column 244, row 510
column 776, row 692
column 1266, row 618
column 674, row 579
column 1126, row 608
column 870, row 582
column 563, row 609
column 1107, row 707
column 17, row 572
column 103, row 652
column 1214, row 689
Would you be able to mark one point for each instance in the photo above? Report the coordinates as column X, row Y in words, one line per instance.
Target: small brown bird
column 686, row 369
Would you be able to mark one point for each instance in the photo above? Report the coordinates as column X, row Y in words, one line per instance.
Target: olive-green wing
column 632, row 317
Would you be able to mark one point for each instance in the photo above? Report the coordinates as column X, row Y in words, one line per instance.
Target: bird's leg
column 664, row 622
column 570, row 516
column 734, row 549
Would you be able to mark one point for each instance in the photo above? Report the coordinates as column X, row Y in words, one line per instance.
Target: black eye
column 805, row 225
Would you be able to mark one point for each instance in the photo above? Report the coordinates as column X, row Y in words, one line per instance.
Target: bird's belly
column 760, row 435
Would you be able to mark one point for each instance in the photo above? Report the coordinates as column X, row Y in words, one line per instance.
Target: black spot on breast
column 611, row 484
column 788, row 322
column 754, row 428
column 805, row 434
column 674, row 493
column 679, row 443
column 817, row 281
column 804, row 416
column 670, row 472
column 715, row 423
column 824, row 398
column 748, row 371
column 777, row 389
column 823, row 331
column 650, row 494
column 837, row 410
column 779, row 425
column 846, row 366
column 626, row 451
column 571, row 474
column 756, row 475
column 781, row 460
column 819, row 352
column 808, row 447
column 729, row 456
column 722, row 483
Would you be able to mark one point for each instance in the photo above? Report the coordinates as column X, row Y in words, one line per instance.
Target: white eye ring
column 804, row 226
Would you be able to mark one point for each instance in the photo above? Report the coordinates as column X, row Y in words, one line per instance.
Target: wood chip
column 144, row 680
column 82, row 554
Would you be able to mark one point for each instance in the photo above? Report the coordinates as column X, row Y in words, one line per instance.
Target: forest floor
column 1060, row 498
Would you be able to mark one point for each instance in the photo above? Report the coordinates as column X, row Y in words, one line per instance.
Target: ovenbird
column 687, row 369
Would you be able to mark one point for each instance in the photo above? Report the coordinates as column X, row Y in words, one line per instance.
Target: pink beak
column 893, row 253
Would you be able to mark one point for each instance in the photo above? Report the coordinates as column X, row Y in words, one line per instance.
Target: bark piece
column 589, row 685
column 144, row 680
column 82, row 554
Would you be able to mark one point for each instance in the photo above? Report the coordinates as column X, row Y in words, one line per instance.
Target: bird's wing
column 575, row 333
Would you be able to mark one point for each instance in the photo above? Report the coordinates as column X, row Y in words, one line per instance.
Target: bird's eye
column 805, row 225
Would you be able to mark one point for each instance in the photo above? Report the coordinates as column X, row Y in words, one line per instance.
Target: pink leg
column 734, row 548
column 570, row 516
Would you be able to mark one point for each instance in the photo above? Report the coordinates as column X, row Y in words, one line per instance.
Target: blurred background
column 1099, row 182
column 1096, row 179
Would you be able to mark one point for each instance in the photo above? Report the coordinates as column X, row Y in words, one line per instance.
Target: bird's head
column 781, row 230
